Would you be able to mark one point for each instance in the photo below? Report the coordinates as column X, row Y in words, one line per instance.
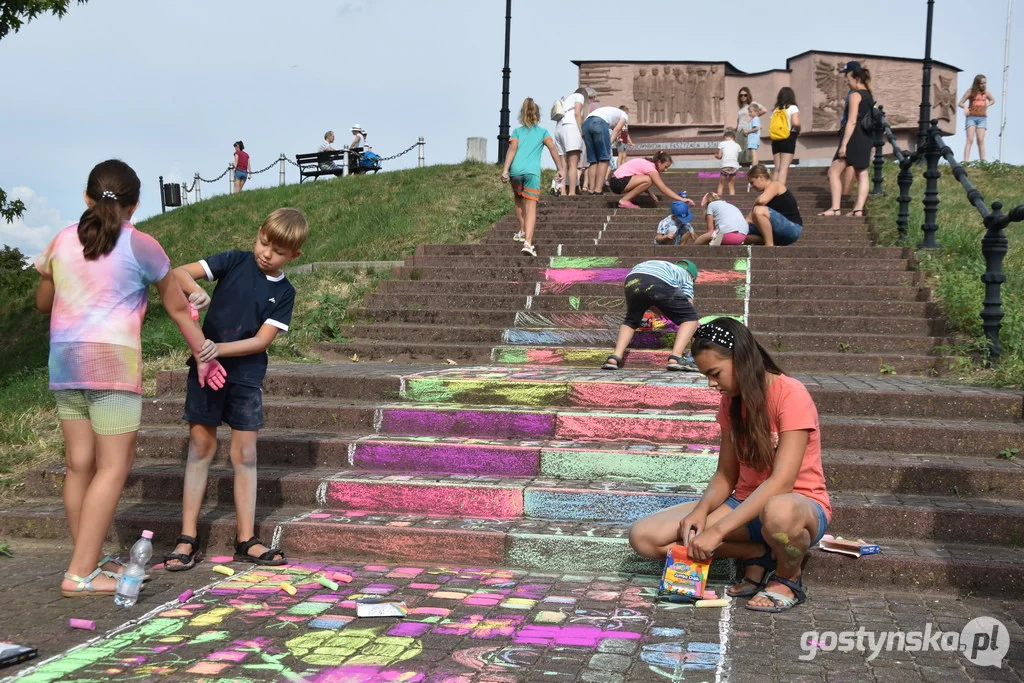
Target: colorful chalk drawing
column 247, row 629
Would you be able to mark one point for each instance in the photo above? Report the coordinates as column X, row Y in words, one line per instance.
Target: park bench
column 309, row 164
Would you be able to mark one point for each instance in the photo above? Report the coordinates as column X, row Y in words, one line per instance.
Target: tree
column 16, row 13
column 13, row 15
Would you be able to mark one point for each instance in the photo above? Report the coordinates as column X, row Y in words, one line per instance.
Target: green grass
column 364, row 218
column 359, row 218
column 955, row 270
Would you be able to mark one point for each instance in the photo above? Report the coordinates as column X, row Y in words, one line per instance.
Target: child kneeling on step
column 251, row 305
column 675, row 228
column 666, row 288
column 725, row 222
column 766, row 504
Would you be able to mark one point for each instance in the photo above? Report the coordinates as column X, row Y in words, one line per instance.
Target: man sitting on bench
column 328, row 164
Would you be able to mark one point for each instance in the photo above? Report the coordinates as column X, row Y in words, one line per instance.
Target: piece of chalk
column 288, row 588
column 326, row 583
column 184, row 597
column 221, row 569
column 83, row 624
column 720, row 602
column 709, row 595
column 343, row 578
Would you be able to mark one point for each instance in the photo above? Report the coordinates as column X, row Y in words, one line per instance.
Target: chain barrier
column 187, row 189
column 218, row 177
column 404, row 151
column 273, row 163
column 291, row 162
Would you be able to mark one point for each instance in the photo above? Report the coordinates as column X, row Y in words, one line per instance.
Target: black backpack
column 870, row 118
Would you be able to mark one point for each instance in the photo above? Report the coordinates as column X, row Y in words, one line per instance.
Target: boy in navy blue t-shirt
column 251, row 305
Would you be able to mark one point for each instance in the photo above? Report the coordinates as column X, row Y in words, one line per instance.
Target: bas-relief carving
column 662, row 94
column 896, row 85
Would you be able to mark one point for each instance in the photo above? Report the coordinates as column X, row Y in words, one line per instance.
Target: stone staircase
column 524, row 454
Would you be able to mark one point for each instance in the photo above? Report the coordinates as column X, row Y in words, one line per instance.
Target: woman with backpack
column 568, row 114
column 784, row 146
column 854, row 141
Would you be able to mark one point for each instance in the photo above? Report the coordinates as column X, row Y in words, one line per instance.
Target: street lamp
column 503, row 125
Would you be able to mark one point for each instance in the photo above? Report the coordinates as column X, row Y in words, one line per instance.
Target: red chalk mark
column 639, row 428
column 624, row 396
column 221, row 558
column 465, row 501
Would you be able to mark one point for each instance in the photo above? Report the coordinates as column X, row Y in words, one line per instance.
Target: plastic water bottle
column 683, row 194
column 131, row 581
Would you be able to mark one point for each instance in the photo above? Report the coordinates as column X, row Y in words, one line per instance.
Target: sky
column 169, row 86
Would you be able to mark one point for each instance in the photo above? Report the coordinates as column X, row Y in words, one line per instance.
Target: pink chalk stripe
column 468, row 501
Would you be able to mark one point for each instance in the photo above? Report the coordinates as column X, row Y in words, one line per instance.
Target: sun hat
column 355, row 126
column 689, row 266
column 681, row 210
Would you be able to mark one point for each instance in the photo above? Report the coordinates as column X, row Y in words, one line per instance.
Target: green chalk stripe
column 584, row 261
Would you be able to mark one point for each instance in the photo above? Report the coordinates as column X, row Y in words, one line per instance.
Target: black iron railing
column 932, row 148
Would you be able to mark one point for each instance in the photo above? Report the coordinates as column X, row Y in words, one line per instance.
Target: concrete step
column 709, row 290
column 719, row 258
column 767, row 324
column 642, row 252
column 518, row 274
column 492, row 385
column 976, row 438
column 347, row 535
column 793, row 361
column 706, row 304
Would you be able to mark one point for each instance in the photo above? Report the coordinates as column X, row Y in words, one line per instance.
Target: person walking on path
column 775, row 220
column 665, row 288
column 522, row 169
column 976, row 102
column 640, row 175
column 743, row 100
column 599, row 129
column 766, row 504
column 855, row 143
column 241, row 166
column 94, row 277
column 568, row 137
column 783, row 150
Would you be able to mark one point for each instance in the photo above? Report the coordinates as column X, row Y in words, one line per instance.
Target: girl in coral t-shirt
column 766, row 504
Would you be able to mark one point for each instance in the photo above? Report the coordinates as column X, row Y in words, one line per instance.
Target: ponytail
column 113, row 187
column 862, row 74
column 661, row 157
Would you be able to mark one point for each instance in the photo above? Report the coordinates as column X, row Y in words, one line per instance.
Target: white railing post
column 281, row 165
column 199, row 196
column 344, row 162
column 231, row 178
column 422, row 159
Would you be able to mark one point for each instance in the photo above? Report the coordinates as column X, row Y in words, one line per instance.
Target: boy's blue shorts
column 239, row 406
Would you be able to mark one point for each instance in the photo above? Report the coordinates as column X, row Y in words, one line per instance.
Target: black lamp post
column 926, row 146
column 503, row 125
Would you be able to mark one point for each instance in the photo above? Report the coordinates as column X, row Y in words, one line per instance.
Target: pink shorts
column 733, row 238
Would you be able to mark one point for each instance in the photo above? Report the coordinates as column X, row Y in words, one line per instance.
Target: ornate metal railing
column 994, row 244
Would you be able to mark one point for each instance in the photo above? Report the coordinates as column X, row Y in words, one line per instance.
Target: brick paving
column 467, row 624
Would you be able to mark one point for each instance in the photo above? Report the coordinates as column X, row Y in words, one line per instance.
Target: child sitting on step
column 666, row 288
column 675, row 228
column 725, row 222
column 251, row 305
column 766, row 504
column 522, row 170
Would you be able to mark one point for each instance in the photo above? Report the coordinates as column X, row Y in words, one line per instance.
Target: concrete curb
column 307, row 268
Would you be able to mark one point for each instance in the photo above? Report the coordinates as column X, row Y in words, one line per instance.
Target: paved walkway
column 468, row 625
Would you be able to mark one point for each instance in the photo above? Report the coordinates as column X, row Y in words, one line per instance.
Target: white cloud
column 36, row 227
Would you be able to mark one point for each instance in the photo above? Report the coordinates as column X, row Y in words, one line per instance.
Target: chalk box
column 380, row 607
column 683, row 576
column 858, row 548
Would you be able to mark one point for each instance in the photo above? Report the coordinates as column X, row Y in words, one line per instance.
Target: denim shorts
column 598, row 139
column 784, row 231
column 756, row 531
column 976, row 121
column 241, row 407
column 241, row 175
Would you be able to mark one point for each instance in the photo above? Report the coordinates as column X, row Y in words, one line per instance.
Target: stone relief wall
column 693, row 94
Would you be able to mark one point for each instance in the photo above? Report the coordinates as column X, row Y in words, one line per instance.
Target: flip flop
column 831, row 212
column 856, row 212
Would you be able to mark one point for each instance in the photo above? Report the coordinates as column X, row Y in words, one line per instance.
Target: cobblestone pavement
column 469, row 625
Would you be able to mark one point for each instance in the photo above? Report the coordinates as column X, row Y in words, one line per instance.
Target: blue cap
column 681, row 210
column 850, row 66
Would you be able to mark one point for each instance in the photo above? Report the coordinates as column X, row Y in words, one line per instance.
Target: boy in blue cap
column 666, row 288
column 676, row 227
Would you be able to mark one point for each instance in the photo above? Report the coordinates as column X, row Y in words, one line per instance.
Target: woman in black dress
column 854, row 143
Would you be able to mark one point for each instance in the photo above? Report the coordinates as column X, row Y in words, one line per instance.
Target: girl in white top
column 725, row 223
column 568, row 135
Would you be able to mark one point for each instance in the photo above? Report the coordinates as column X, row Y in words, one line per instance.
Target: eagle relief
column 832, row 85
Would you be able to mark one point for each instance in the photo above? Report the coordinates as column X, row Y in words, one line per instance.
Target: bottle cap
column 147, row 534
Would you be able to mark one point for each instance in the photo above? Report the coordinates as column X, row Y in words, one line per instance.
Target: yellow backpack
column 778, row 129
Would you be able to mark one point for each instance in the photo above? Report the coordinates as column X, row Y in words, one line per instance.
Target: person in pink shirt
column 641, row 175
column 766, row 504
column 94, row 278
column 241, row 166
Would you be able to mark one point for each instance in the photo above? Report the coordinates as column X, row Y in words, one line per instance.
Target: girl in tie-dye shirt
column 94, row 280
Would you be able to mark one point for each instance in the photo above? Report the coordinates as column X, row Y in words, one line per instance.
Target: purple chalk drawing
column 491, row 424
column 587, row 636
